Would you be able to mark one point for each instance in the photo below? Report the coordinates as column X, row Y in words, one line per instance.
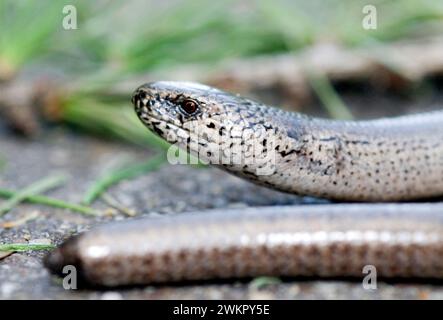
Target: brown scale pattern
column 380, row 160
column 326, row 240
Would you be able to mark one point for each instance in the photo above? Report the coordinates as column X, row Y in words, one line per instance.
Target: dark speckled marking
column 326, row 241
column 380, row 160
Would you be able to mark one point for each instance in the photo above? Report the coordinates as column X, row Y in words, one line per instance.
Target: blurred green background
column 56, row 82
column 118, row 40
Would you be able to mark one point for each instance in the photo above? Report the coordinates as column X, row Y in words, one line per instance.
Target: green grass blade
column 113, row 177
column 56, row 203
column 21, row 247
column 329, row 97
column 113, row 120
column 264, row 281
column 35, row 188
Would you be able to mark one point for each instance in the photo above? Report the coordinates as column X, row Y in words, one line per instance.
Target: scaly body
column 399, row 240
column 381, row 160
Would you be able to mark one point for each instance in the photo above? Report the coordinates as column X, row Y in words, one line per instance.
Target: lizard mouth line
column 164, row 128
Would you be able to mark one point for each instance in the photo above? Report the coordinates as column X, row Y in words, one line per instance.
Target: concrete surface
column 172, row 189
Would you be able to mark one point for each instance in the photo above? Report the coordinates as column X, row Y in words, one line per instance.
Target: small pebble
column 40, row 241
column 111, row 296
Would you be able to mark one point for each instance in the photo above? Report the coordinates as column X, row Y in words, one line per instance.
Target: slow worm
column 384, row 160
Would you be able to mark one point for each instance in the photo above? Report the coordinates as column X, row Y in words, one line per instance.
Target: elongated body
column 380, row 160
column 325, row 240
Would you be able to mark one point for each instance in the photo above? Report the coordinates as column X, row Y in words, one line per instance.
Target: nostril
column 139, row 99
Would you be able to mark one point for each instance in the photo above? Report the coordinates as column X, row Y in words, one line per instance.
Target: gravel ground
column 172, row 189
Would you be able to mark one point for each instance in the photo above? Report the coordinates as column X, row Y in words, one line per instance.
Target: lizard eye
column 189, row 106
